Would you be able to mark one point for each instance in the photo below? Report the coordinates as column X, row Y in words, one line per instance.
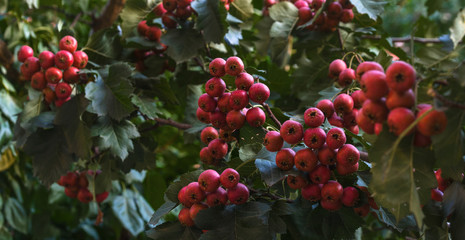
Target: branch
column 444, row 100
column 405, row 39
column 272, row 116
column 109, row 14
column 169, row 122
column 364, row 156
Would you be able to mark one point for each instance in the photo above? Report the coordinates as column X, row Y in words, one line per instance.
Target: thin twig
column 272, row 116
column 444, row 100
column 169, row 122
column 405, row 39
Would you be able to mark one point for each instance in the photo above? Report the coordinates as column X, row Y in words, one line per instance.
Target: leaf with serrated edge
column 242, row 9
column 211, row 19
column 115, row 136
column 146, row 106
column 183, row 44
column 110, row 93
column 270, row 172
column 125, row 209
column 457, row 31
column 285, row 15
column 371, row 7
column 161, row 211
column 393, row 182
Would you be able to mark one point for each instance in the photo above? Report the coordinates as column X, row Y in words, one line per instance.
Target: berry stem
column 272, row 116
column 244, row 163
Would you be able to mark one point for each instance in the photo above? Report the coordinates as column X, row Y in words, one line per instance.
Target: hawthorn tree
column 206, row 119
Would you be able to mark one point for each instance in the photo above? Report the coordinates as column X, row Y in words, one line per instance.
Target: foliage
column 138, row 127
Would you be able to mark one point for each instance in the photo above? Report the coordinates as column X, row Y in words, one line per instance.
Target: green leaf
column 454, row 203
column 32, row 109
column 285, row 15
column 125, row 209
column 371, row 7
column 449, row 146
column 249, row 151
column 233, row 222
column 393, row 183
column 50, row 154
column 270, row 172
column 211, row 19
column 250, row 135
column 183, row 44
column 457, row 31
column 174, row 230
column 425, row 180
column 111, row 95
column 146, row 106
column 173, row 189
column 154, row 187
column 104, row 46
column 433, row 5
column 77, row 134
column 8, row 105
column 162, row 211
column 242, row 9
column 133, row 12
column 15, row 215
column 115, row 136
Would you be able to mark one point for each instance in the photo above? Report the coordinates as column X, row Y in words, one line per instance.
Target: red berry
column 64, row 59
column 153, row 33
column 208, row 134
column 400, row 76
column 296, row 182
column 207, row 103
column 359, row 98
column 218, row 148
column 71, row 75
column 84, row 195
column 209, row 180
column 312, row 192
column 194, row 193
column 400, row 119
column 305, row 160
column 229, row 178
column 332, row 191
column 215, row 87
column 350, row 196
column 63, row 90
column 255, row 117
column 101, row 197
column 327, row 156
column 327, row 107
column 285, row 159
column 38, row 81
column 46, row 59
column 223, row 102
column 218, row 119
column 234, row 66
column 216, row 67
column 343, row 103
column 238, row 194
column 235, row 119
column 206, row 157
column 347, row 16
column 170, row 5
column 320, row 174
column 331, row 205
column 259, row 93
column 336, row 67
column 24, row 53
column 32, row 65
column 334, row 10
column 436, row 195
column 314, row 138
column 71, row 193
column 219, row 197
column 238, row 100
column 273, row 141
column 292, row 132
column 314, row 117
column 169, row 20
column 196, row 208
column 184, row 217
column 203, row 116
column 159, row 10
column 348, row 155
column 142, row 28
column 373, row 84
column 367, row 66
column 375, row 111
column 49, row 95
column 68, row 43
column 433, row 123
column 346, row 77
column 335, row 138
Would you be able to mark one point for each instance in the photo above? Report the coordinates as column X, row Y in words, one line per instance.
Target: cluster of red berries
column 387, row 97
column 207, row 192
column 327, row 21
column 173, row 11
column 227, row 110
column 48, row 70
column 76, row 184
column 152, row 33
